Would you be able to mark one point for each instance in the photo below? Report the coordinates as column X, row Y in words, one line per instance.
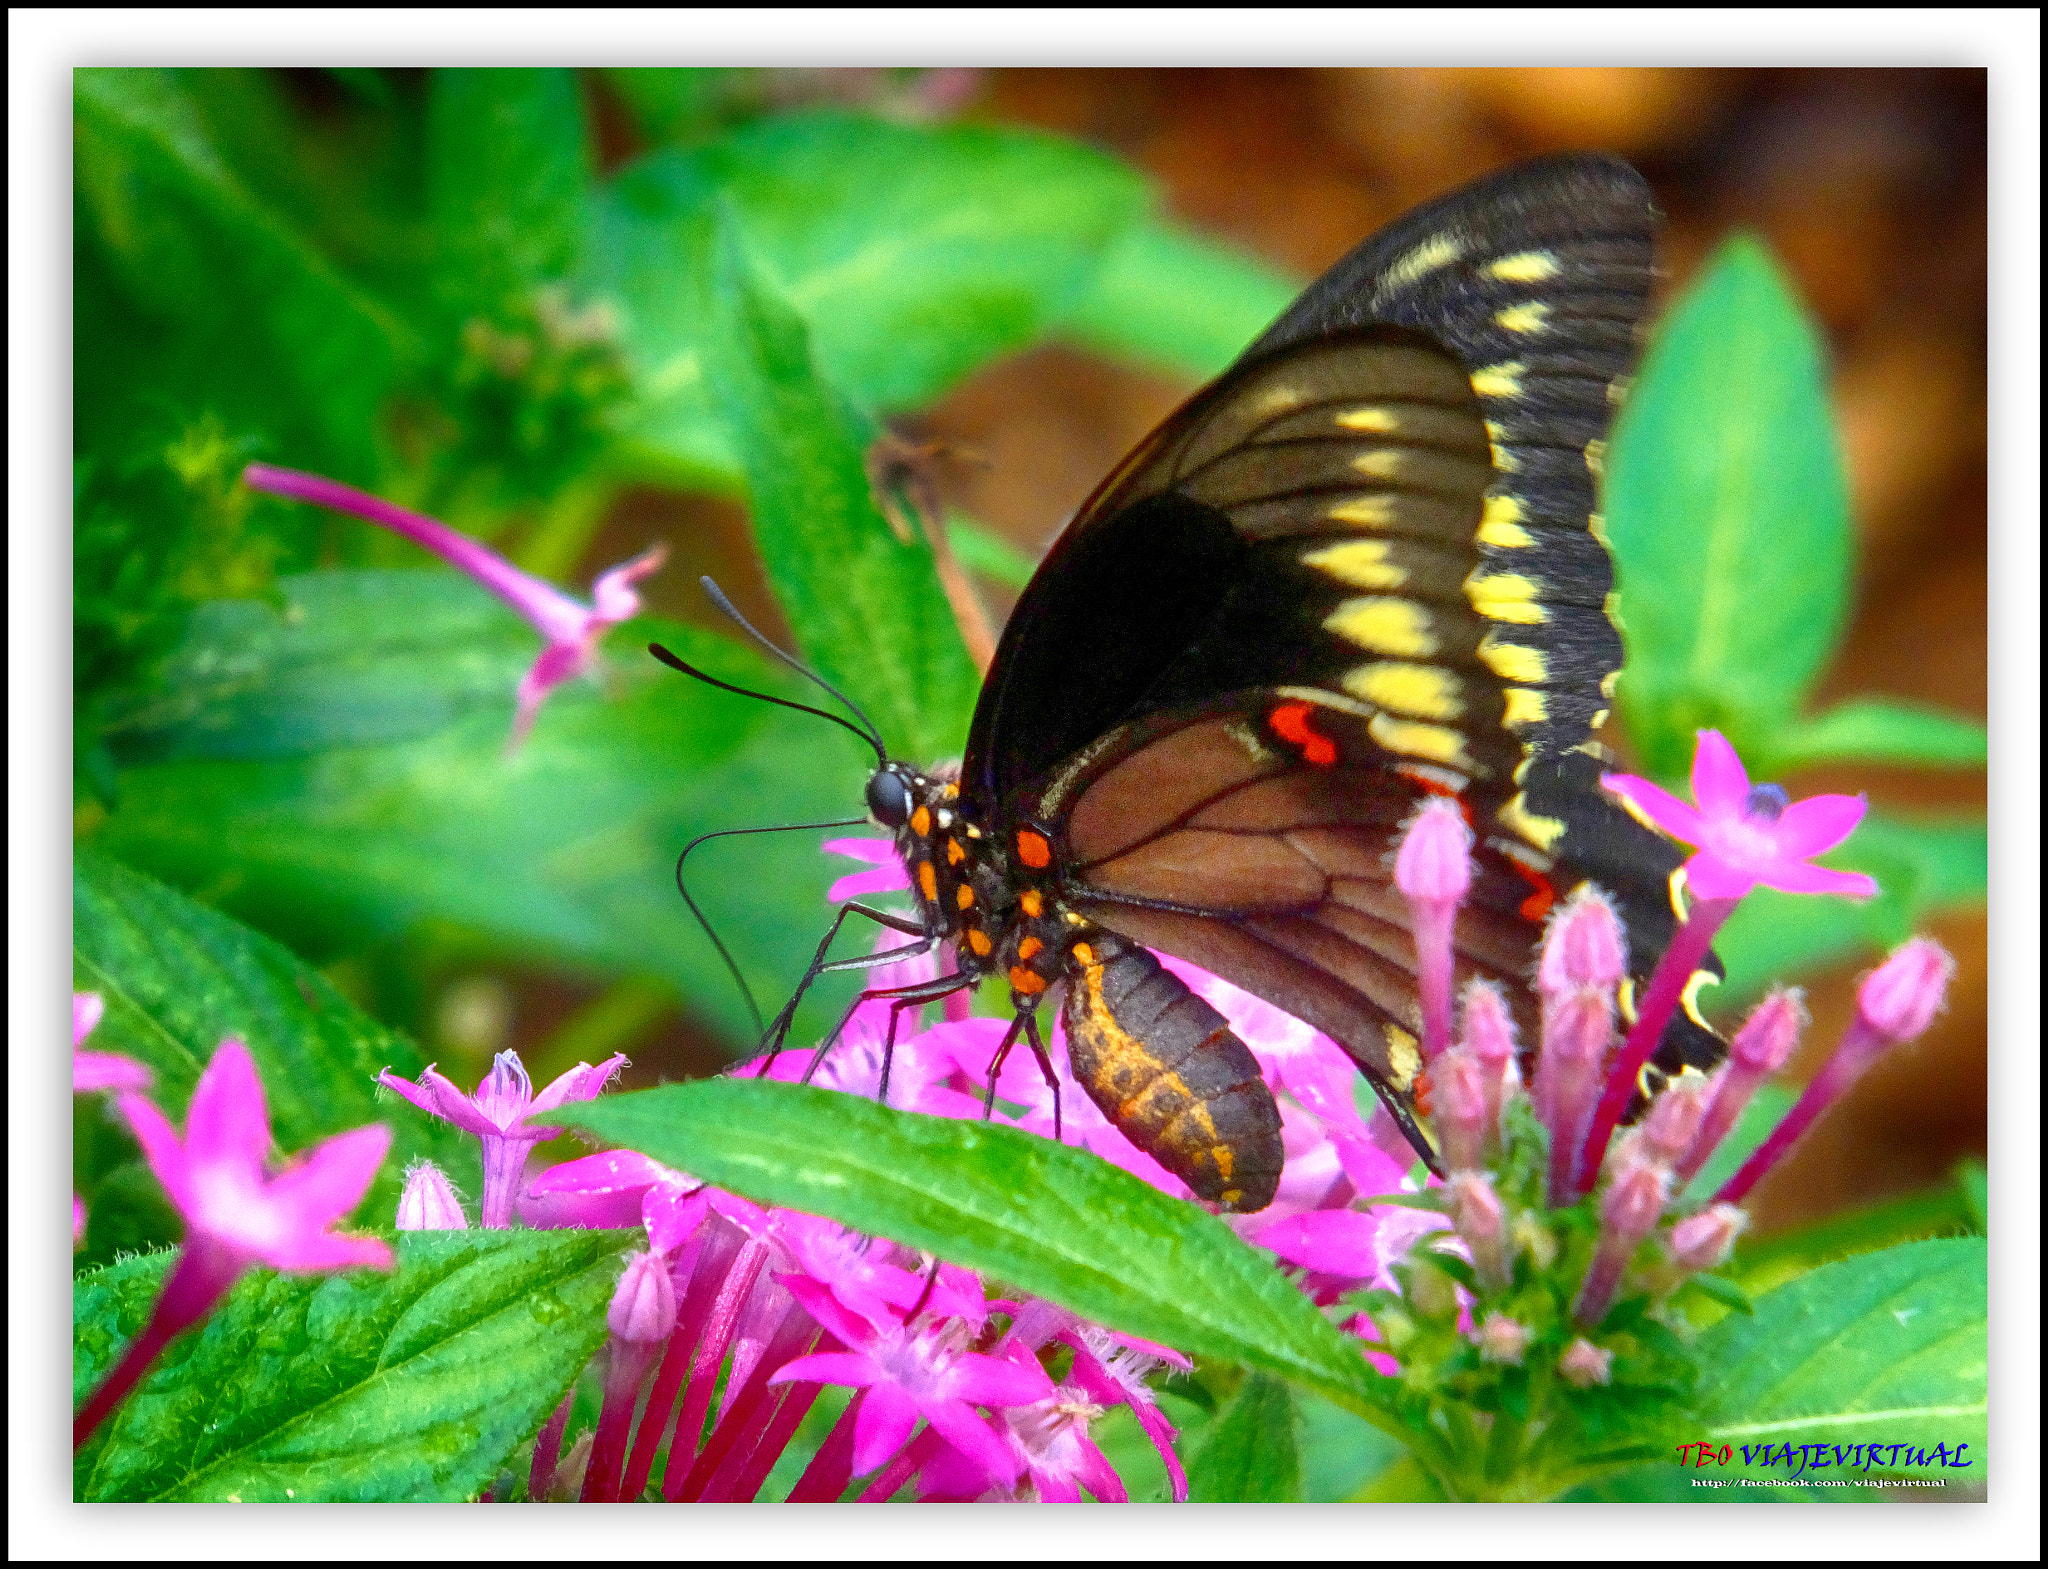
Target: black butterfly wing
column 1362, row 566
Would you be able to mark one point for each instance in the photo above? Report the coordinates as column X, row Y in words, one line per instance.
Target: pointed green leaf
column 915, row 254
column 866, row 606
column 1884, row 1348
column 1249, row 1454
column 508, row 182
column 1042, row 1217
column 360, row 1387
column 179, row 978
column 1880, row 731
column 195, row 295
column 1168, row 297
column 1728, row 511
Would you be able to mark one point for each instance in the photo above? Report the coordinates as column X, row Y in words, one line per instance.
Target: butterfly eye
column 888, row 798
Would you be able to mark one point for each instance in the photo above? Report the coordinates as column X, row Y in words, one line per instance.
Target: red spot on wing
column 1290, row 723
column 1034, row 849
column 1420, row 1089
column 1541, row 897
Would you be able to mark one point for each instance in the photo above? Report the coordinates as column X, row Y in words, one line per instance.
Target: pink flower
column 99, row 1070
column 497, row 1115
column 885, row 873
column 1747, row 834
column 911, row 1372
column 571, row 628
column 236, row 1212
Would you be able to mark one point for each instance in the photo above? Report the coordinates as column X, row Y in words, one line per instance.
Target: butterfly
column 1361, row 568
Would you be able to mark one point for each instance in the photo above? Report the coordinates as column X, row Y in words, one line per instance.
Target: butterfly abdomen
column 1167, row 1070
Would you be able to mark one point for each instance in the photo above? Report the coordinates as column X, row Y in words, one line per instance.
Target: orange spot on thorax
column 1034, row 849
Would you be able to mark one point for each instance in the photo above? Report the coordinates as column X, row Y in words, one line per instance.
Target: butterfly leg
column 995, row 1065
column 1052, row 1078
column 905, row 996
column 771, row 1041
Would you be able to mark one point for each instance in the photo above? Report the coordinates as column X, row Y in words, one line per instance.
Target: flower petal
column 828, row 1367
column 973, row 1437
column 613, row 596
column 106, row 1070
column 1720, row 784
column 227, row 1122
column 332, row 1177
column 1819, row 879
column 87, row 1008
column 882, row 879
column 1816, row 825
column 582, row 1082
column 163, row 1149
column 1662, row 808
column 885, row 1421
column 1707, row 876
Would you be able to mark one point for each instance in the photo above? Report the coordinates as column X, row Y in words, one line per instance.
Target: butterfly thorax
column 990, row 893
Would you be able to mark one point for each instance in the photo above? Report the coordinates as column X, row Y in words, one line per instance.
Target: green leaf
column 1920, row 867
column 1881, row 731
column 1170, row 298
column 1765, row 1263
column 359, row 1387
column 1045, row 1218
column 1883, row 1348
column 179, row 978
column 1248, row 1454
column 195, row 294
column 989, row 554
column 508, row 183
column 335, row 773
column 1728, row 511
column 866, row 606
column 915, row 254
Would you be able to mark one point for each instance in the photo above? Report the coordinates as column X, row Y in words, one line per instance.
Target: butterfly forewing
column 1362, row 568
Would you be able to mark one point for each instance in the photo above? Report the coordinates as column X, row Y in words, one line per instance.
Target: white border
column 42, row 47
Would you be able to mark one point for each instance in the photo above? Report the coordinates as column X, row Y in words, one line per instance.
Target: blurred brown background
column 1869, row 184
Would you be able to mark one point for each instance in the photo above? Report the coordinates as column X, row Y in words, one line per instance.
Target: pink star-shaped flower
column 1744, row 834
column 497, row 1115
column 572, row 629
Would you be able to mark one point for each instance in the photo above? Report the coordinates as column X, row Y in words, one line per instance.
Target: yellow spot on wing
column 1366, row 511
column 1596, row 525
column 1384, row 626
column 1608, row 683
column 1404, row 1057
column 1525, row 267
column 1596, row 457
column 1523, row 318
column 1379, row 462
column 1362, row 563
column 1501, row 524
column 1422, row 691
column 1542, row 832
column 1499, row 381
column 1506, row 596
column 1412, row 739
column 1524, row 707
column 1278, row 399
column 1689, row 999
column 1439, row 250
column 1383, row 421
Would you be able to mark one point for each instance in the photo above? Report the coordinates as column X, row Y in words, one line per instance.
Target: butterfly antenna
column 731, row 613
column 725, row 953
column 675, row 662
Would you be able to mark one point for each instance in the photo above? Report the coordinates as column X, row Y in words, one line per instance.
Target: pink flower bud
column 1705, row 1240
column 1675, row 1117
column 1433, row 870
column 1490, row 1038
column 643, row 1308
column 1502, row 1340
column 1901, row 996
column 1459, row 1095
column 1585, row 1364
column 428, row 1202
column 1635, row 1199
column 1764, row 1043
column 1477, row 1213
column 1435, row 858
column 1585, row 947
